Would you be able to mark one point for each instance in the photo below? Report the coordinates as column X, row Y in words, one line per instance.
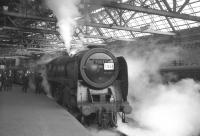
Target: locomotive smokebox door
column 99, row 68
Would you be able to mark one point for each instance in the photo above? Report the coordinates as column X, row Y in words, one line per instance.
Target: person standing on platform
column 2, row 80
column 5, row 82
column 25, row 80
column 10, row 79
column 38, row 83
column 1, row 77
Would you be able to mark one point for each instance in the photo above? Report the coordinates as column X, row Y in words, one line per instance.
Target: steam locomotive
column 93, row 85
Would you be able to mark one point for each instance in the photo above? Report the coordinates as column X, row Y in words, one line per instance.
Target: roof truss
column 105, row 19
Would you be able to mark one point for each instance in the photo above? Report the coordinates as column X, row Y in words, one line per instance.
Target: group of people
column 38, row 82
column 6, row 80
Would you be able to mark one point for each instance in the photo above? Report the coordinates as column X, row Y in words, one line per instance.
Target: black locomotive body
column 93, row 84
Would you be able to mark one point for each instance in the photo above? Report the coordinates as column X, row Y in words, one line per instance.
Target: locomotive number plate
column 108, row 66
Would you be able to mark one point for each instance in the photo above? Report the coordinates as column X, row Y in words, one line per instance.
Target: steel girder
column 127, row 28
column 145, row 10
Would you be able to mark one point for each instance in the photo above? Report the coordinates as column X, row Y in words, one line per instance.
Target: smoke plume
column 65, row 11
column 159, row 109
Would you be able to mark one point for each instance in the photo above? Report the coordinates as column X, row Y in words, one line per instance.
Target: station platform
column 30, row 114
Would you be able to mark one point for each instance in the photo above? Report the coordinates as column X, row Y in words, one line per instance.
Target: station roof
column 31, row 24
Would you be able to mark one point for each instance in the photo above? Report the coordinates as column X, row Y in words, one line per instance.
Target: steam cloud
column 65, row 11
column 159, row 109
